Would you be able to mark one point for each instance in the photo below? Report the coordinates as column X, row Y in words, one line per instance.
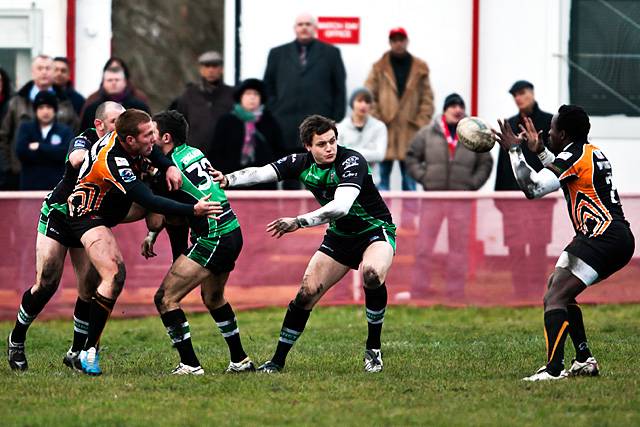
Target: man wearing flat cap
column 402, row 100
column 527, row 229
column 204, row 102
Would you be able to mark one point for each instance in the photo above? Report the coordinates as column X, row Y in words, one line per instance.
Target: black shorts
column 606, row 253
column 55, row 225
column 217, row 254
column 82, row 224
column 349, row 250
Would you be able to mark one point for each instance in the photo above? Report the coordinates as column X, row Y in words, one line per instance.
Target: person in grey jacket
column 361, row 131
column 437, row 161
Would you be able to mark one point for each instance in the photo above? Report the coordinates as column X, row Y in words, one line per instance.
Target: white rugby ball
column 475, row 134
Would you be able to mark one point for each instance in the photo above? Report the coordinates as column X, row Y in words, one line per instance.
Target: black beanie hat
column 44, row 97
column 247, row 84
column 453, row 99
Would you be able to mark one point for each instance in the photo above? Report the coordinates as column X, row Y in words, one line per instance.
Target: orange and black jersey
column 109, row 182
column 586, row 178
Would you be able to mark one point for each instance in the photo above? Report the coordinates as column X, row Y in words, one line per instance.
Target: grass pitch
column 442, row 367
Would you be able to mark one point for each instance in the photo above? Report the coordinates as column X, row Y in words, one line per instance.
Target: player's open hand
column 533, row 137
column 206, row 208
column 281, row 226
column 218, row 177
column 146, row 250
column 174, row 178
column 506, row 138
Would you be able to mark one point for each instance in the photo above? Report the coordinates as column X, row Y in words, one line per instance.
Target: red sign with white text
column 339, row 30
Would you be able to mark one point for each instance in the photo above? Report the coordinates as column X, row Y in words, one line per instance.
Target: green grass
column 442, row 367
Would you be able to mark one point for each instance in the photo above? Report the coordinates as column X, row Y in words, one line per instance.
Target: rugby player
column 107, row 185
column 361, row 234
column 603, row 243
column 53, row 240
column 208, row 262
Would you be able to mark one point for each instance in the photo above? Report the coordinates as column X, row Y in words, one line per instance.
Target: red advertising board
column 343, row 30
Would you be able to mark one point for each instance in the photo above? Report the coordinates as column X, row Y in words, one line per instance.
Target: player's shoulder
column 348, row 157
column 573, row 151
column 183, row 155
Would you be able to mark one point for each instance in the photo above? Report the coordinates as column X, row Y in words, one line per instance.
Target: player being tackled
column 603, row 243
column 216, row 244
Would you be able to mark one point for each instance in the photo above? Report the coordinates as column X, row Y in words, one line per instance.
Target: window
column 604, row 56
column 20, row 40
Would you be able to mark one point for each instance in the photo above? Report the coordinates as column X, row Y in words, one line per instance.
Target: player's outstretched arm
column 533, row 184
column 337, row 208
column 246, row 177
column 142, row 195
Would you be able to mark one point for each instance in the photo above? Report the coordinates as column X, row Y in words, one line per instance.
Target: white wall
column 519, row 39
column 93, row 43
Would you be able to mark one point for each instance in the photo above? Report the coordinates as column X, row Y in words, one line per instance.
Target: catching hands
column 281, row 226
column 533, row 137
column 506, row 138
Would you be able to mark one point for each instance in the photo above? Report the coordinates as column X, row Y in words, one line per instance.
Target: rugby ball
column 475, row 134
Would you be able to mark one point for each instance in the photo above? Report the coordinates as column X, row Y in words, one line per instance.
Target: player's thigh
column 50, row 256
column 102, row 249
column 183, row 276
column 136, row 213
column 87, row 276
column 321, row 274
column 376, row 262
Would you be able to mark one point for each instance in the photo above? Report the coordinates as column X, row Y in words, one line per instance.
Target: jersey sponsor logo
column 349, row 174
column 350, row 162
column 282, row 160
column 127, row 175
column 374, row 238
column 189, row 157
column 121, row 161
column 81, row 142
column 565, row 155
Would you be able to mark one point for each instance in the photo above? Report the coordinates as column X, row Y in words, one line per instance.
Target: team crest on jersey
column 565, row 155
column 350, row 162
column 80, row 142
column 127, row 175
column 121, row 161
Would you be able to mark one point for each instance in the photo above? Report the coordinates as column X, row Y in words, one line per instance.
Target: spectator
column 304, row 77
column 525, row 226
column 62, row 78
column 402, row 99
column 112, row 62
column 362, row 132
column 42, row 145
column 20, row 110
column 439, row 163
column 247, row 136
column 5, row 92
column 114, row 88
column 203, row 103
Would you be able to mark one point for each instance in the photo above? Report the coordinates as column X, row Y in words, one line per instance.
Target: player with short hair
column 107, row 186
column 52, row 242
column 361, row 234
column 603, row 243
column 216, row 244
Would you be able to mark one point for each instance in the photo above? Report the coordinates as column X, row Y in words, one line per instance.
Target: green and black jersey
column 349, row 169
column 57, row 199
column 196, row 184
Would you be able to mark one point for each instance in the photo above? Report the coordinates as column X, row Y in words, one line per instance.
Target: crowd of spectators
column 390, row 118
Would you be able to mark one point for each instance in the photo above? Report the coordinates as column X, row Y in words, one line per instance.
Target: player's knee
column 119, row 278
column 370, row 277
column 49, row 280
column 159, row 300
column 212, row 299
column 304, row 298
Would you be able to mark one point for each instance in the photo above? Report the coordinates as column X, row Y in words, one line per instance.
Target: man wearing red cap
column 402, row 99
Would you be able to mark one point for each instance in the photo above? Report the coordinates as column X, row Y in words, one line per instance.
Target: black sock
column 178, row 238
column 555, row 327
column 577, row 332
column 292, row 327
column 375, row 301
column 99, row 312
column 80, row 324
column 30, row 306
column 178, row 329
column 226, row 321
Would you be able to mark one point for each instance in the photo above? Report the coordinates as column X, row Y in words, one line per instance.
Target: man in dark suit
column 304, row 77
column 526, row 226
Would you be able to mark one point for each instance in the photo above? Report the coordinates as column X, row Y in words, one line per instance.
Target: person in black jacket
column 304, row 77
column 62, row 77
column 248, row 136
column 530, row 224
column 42, row 145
